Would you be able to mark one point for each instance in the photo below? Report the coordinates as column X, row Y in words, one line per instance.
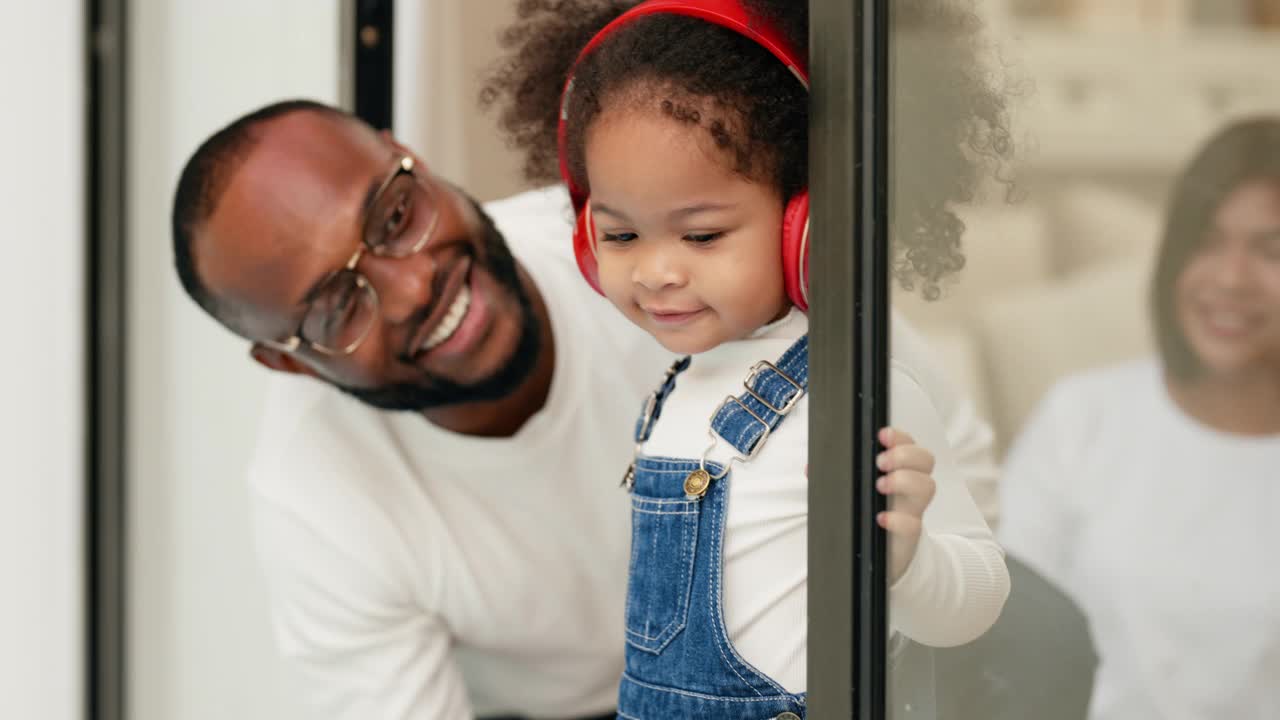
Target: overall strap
column 649, row 413
column 652, row 407
column 771, row 392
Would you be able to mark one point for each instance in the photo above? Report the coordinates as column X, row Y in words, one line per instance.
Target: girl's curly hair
column 949, row 128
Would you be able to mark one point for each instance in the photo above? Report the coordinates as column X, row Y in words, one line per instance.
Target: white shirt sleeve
column 970, row 437
column 1039, row 524
column 957, row 583
column 971, row 440
column 363, row 648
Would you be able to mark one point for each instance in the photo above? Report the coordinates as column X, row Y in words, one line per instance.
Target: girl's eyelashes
column 627, row 237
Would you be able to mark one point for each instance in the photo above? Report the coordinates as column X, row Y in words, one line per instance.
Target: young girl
column 686, row 123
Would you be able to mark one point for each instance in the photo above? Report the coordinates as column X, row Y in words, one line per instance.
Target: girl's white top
column 953, row 590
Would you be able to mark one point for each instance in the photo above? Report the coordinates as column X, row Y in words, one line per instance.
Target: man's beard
column 436, row 391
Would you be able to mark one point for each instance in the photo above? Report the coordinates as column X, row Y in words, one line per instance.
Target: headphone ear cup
column 795, row 249
column 584, row 247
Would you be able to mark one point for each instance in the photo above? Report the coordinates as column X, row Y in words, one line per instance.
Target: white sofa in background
column 1049, row 288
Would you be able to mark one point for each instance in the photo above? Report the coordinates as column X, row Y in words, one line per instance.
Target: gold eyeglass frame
column 405, row 164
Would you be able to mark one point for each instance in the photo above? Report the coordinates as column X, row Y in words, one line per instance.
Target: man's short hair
column 202, row 183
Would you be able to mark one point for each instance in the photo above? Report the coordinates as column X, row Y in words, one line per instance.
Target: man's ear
column 279, row 361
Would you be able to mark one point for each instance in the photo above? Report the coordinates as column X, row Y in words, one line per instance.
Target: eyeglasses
column 343, row 308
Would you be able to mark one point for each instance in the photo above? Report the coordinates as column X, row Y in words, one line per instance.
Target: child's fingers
column 910, row 492
column 905, row 457
column 900, row 524
column 892, row 437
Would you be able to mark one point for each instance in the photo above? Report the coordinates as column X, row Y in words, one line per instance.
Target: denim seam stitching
column 662, row 501
column 701, row 696
column 648, row 463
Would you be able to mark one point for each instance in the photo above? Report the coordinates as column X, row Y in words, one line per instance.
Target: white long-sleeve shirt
column 419, row 574
column 951, row 593
column 1165, row 532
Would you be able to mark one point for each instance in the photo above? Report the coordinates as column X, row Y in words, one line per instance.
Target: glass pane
column 198, row 627
column 1099, row 381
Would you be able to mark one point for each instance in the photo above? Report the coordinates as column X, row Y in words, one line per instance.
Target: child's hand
column 910, row 487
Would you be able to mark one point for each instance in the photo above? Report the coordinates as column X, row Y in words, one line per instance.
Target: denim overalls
column 679, row 660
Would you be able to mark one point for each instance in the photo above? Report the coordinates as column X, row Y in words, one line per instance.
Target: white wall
column 41, row 361
column 443, row 50
column 200, row 639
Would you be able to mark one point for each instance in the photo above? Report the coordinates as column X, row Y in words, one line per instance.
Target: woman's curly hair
column 949, row 127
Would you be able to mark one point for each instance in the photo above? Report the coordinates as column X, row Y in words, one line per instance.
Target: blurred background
column 1111, row 99
column 1109, row 102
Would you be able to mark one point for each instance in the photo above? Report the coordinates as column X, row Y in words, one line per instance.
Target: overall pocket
column 664, row 540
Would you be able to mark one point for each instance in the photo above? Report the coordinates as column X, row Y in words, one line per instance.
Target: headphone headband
column 725, row 13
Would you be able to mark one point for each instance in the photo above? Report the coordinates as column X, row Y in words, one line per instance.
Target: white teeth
column 452, row 319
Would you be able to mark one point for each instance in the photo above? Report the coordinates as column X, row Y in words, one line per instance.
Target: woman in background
column 1150, row 491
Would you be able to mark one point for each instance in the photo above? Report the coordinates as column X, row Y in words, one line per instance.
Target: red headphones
column 795, row 219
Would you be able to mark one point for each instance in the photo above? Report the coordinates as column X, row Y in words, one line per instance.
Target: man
column 467, row 555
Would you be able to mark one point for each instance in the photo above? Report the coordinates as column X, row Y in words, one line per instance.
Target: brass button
column 695, row 486
column 788, row 716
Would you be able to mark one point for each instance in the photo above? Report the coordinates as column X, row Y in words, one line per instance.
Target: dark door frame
column 105, row 530
column 849, row 399
column 373, row 62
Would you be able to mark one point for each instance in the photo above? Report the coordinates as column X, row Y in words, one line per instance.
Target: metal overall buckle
column 698, row 482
